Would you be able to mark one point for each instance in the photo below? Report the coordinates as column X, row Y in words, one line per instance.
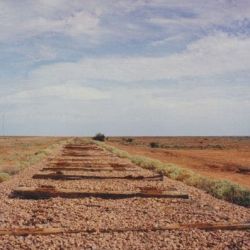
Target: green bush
column 128, row 140
column 99, row 137
column 154, row 144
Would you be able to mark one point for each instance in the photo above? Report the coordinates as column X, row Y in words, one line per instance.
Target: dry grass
column 222, row 189
column 17, row 153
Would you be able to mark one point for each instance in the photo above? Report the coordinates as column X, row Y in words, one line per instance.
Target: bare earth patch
column 216, row 157
column 16, row 153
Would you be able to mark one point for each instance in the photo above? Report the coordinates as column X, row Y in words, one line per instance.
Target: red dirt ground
column 217, row 157
column 19, row 151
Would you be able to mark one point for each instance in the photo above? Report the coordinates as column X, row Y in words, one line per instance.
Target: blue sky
column 125, row 67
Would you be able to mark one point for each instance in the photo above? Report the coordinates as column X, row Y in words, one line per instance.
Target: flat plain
column 82, row 196
column 17, row 152
column 216, row 157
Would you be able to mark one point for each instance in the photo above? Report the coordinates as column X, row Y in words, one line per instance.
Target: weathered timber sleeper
column 200, row 226
column 85, row 169
column 50, row 192
column 60, row 176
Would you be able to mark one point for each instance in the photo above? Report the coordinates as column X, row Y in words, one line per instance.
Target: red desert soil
column 17, row 152
column 217, row 157
column 110, row 223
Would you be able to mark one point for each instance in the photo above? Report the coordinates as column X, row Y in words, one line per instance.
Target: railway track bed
column 104, row 202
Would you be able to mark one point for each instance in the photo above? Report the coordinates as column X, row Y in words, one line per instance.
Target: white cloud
column 79, row 23
column 16, row 22
column 82, row 23
column 156, row 110
column 217, row 54
column 42, row 53
column 95, row 19
column 205, row 14
column 64, row 92
column 164, row 41
column 67, row 92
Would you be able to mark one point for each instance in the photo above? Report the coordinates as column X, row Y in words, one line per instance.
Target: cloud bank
column 125, row 67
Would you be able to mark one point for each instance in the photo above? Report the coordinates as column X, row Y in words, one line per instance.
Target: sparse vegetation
column 4, row 176
column 154, row 144
column 24, row 156
column 99, row 137
column 128, row 140
column 221, row 189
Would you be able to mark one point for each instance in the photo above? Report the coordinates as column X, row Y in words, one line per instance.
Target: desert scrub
column 99, row 137
column 221, row 189
column 154, row 144
column 23, row 160
column 127, row 140
column 4, row 176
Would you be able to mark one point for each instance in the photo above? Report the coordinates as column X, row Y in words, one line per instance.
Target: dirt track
column 97, row 213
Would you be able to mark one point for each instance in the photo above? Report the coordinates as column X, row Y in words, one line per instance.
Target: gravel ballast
column 97, row 213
